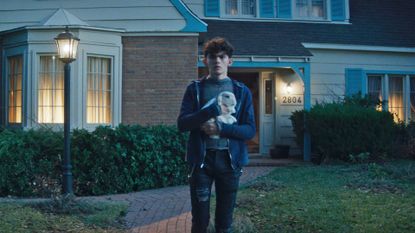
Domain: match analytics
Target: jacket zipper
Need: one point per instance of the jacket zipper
(198, 106)
(204, 154)
(230, 154)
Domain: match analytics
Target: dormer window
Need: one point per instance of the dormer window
(310, 9)
(240, 8)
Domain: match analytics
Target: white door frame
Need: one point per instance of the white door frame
(267, 119)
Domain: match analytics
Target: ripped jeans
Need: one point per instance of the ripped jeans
(217, 168)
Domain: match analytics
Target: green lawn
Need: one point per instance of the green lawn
(48, 217)
(330, 198)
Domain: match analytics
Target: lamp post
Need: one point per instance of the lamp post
(67, 45)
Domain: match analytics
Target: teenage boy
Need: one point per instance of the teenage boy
(211, 159)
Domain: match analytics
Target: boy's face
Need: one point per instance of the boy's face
(218, 64)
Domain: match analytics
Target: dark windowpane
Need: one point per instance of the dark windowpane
(268, 96)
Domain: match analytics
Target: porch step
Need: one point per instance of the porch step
(253, 148)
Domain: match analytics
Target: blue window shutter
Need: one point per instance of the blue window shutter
(266, 8)
(354, 81)
(338, 10)
(212, 8)
(284, 9)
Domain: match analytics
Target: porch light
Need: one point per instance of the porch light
(67, 45)
(288, 88)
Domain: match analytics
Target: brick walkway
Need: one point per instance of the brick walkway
(167, 210)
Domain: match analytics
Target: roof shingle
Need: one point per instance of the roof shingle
(372, 22)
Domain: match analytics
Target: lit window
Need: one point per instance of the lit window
(99, 90)
(375, 90)
(15, 74)
(396, 105)
(310, 9)
(412, 97)
(51, 90)
(240, 7)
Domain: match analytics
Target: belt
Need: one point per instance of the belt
(212, 151)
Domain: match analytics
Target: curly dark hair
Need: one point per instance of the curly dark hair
(216, 45)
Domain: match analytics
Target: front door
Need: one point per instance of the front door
(267, 110)
(251, 80)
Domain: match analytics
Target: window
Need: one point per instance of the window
(15, 80)
(240, 8)
(375, 90)
(268, 96)
(50, 90)
(310, 9)
(99, 90)
(396, 92)
(395, 105)
(412, 97)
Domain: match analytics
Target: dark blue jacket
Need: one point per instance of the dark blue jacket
(192, 116)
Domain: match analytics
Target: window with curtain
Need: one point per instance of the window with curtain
(98, 110)
(50, 90)
(396, 105)
(412, 97)
(15, 82)
(268, 96)
(240, 7)
(310, 9)
(375, 89)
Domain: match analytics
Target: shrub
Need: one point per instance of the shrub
(128, 158)
(406, 140)
(346, 129)
(30, 162)
(105, 161)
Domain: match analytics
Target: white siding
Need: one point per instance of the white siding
(196, 6)
(328, 69)
(284, 130)
(131, 15)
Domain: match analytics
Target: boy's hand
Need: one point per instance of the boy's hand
(210, 128)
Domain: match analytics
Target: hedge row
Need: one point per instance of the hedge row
(348, 130)
(105, 161)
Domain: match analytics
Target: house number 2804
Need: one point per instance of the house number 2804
(291, 99)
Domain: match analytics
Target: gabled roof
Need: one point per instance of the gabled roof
(372, 22)
(62, 18)
(126, 15)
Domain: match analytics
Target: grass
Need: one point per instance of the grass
(330, 198)
(62, 216)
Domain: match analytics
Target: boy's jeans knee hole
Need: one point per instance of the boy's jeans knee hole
(202, 194)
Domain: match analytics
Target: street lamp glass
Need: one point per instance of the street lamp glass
(67, 45)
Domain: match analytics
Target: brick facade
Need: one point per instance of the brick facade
(156, 71)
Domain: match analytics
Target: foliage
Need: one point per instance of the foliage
(406, 140)
(369, 197)
(128, 158)
(107, 160)
(30, 162)
(350, 130)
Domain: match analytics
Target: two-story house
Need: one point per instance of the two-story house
(136, 57)
(294, 53)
